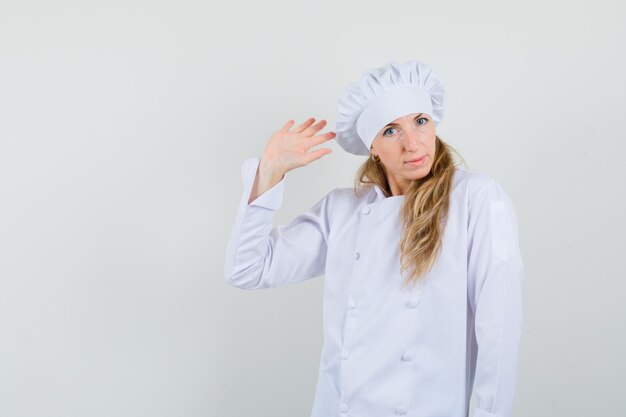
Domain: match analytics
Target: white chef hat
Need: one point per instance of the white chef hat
(382, 95)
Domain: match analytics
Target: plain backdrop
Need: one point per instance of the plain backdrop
(123, 127)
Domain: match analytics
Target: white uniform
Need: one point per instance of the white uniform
(387, 350)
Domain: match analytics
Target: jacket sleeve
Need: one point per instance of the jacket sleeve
(260, 255)
(495, 271)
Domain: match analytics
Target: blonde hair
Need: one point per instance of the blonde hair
(424, 209)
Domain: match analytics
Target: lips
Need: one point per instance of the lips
(417, 159)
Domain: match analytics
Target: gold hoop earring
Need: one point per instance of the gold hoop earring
(374, 158)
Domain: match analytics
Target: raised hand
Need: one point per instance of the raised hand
(288, 149)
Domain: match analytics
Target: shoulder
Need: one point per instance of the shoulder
(475, 185)
(469, 180)
(337, 200)
(485, 201)
(345, 197)
(344, 201)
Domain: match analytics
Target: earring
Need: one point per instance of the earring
(374, 158)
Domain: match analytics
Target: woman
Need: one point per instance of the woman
(423, 272)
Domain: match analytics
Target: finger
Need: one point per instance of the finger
(308, 122)
(321, 138)
(315, 128)
(287, 125)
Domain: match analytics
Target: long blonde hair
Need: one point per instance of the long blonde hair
(424, 209)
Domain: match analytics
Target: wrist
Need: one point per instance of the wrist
(270, 171)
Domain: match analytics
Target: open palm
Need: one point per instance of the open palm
(288, 149)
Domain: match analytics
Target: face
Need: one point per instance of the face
(406, 139)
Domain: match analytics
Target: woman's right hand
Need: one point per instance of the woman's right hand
(289, 149)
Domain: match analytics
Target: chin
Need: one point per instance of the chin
(418, 177)
(417, 173)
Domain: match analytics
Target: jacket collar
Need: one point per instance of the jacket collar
(379, 193)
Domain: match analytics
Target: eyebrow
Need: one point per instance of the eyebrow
(395, 124)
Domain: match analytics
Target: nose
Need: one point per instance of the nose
(411, 139)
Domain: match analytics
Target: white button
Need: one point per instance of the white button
(357, 255)
(366, 210)
(413, 302)
(401, 410)
(345, 354)
(351, 303)
(408, 356)
(344, 407)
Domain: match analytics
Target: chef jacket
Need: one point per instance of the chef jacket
(389, 350)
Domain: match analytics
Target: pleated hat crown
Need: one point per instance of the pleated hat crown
(382, 95)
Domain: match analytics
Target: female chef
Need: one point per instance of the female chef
(421, 263)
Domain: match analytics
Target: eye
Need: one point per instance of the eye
(386, 130)
(424, 119)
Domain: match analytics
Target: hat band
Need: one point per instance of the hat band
(389, 106)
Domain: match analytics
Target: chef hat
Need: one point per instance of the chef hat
(382, 95)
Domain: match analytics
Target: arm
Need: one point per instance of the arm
(495, 272)
(266, 177)
(259, 255)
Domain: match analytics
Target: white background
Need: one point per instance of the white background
(123, 126)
